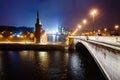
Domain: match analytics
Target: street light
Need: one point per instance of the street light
(84, 21)
(93, 14)
(116, 28)
(78, 27)
(105, 30)
(1, 36)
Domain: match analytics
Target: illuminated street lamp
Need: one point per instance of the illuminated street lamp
(1, 36)
(78, 27)
(105, 30)
(84, 21)
(116, 28)
(11, 36)
(93, 14)
(99, 30)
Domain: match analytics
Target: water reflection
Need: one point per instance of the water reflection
(0, 64)
(75, 64)
(76, 67)
(43, 60)
(45, 65)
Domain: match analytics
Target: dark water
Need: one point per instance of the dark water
(47, 65)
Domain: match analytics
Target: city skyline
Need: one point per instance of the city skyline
(55, 13)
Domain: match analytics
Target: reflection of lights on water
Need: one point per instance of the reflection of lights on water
(27, 55)
(75, 64)
(43, 57)
(31, 54)
(57, 54)
(66, 58)
(0, 61)
(24, 53)
(67, 54)
(53, 37)
(57, 38)
(42, 54)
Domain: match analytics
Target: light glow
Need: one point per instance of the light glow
(84, 21)
(18, 35)
(93, 12)
(105, 29)
(1, 36)
(116, 27)
(76, 30)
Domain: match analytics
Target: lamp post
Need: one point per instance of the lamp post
(116, 28)
(105, 30)
(93, 14)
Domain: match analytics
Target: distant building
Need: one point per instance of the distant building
(38, 30)
(62, 30)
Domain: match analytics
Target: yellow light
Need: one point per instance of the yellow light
(105, 29)
(116, 27)
(10, 36)
(79, 26)
(20, 33)
(93, 12)
(74, 31)
(1, 36)
(99, 30)
(44, 59)
(31, 35)
(90, 32)
(11, 32)
(84, 21)
(2, 32)
(28, 32)
(21, 36)
(44, 38)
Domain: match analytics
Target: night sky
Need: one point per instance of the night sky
(54, 13)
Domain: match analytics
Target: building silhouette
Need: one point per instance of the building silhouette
(38, 30)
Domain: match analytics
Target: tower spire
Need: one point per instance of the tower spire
(37, 20)
(38, 29)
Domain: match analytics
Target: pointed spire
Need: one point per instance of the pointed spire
(37, 20)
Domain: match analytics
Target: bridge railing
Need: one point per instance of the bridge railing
(106, 39)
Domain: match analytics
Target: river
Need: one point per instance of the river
(48, 65)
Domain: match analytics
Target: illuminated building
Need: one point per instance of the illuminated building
(62, 30)
(38, 30)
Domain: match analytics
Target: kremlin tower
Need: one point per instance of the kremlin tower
(38, 30)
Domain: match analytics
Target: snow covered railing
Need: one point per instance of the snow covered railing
(107, 39)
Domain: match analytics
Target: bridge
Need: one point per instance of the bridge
(104, 50)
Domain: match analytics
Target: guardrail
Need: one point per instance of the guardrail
(107, 39)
